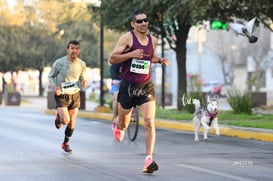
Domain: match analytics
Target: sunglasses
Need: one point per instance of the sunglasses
(139, 21)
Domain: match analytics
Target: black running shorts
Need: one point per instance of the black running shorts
(71, 101)
(131, 95)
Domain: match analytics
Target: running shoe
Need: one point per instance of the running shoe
(58, 124)
(150, 166)
(66, 147)
(118, 134)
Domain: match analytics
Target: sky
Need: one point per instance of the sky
(11, 3)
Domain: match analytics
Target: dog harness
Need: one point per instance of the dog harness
(211, 116)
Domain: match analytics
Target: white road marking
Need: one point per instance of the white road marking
(213, 172)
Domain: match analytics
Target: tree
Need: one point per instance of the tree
(173, 20)
(34, 35)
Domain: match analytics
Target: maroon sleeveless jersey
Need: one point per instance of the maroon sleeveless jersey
(138, 71)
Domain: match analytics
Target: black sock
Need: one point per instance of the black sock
(68, 133)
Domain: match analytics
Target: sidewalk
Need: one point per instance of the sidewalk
(89, 112)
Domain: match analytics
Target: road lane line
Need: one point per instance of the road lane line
(213, 172)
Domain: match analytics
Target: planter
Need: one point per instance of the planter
(51, 104)
(259, 98)
(168, 99)
(13, 98)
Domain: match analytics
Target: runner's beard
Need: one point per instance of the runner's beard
(73, 56)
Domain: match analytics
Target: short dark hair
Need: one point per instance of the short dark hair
(73, 42)
(137, 12)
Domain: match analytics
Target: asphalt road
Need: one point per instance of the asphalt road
(30, 150)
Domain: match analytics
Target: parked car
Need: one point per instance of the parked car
(213, 87)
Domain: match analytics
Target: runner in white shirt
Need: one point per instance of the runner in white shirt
(66, 78)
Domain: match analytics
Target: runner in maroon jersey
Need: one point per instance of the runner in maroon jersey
(136, 51)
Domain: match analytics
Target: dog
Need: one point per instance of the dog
(206, 116)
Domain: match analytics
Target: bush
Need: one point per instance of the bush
(240, 102)
(93, 97)
(189, 101)
(195, 92)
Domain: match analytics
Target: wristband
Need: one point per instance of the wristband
(160, 60)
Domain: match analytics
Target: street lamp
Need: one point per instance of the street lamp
(97, 4)
(163, 74)
(101, 62)
(101, 107)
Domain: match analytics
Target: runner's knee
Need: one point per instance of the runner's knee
(66, 120)
(148, 123)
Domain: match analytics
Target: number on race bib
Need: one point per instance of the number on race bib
(140, 66)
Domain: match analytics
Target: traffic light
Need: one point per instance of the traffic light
(216, 25)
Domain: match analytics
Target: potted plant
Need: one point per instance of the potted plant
(12, 97)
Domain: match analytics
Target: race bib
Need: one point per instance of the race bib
(140, 66)
(69, 87)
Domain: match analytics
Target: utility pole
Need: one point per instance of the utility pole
(101, 63)
(163, 74)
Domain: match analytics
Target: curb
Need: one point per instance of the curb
(231, 131)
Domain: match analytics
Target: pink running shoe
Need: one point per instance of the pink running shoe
(113, 125)
(150, 166)
(118, 134)
(66, 147)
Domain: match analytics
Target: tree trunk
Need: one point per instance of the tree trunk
(181, 51)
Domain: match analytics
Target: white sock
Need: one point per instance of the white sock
(148, 156)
